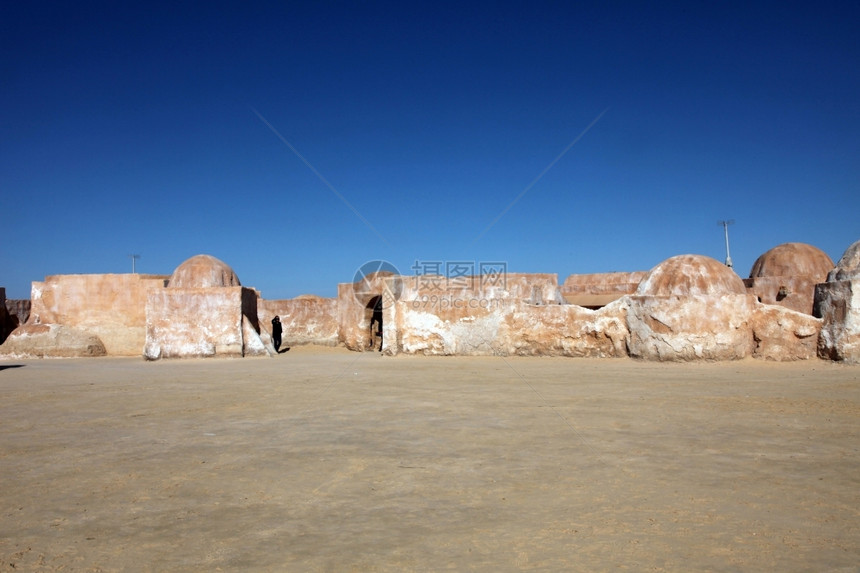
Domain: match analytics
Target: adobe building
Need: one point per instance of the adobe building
(202, 311)
(199, 310)
(85, 315)
(786, 275)
(689, 307)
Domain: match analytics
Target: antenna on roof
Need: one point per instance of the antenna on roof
(133, 259)
(725, 225)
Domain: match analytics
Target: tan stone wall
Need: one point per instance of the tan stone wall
(466, 317)
(782, 334)
(194, 322)
(306, 319)
(455, 325)
(603, 283)
(109, 306)
(599, 289)
(568, 330)
(691, 327)
(511, 327)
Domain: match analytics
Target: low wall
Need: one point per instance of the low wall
(306, 319)
(693, 327)
(599, 289)
(511, 327)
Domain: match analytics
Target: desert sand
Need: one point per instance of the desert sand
(327, 460)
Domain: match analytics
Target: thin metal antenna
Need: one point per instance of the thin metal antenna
(133, 259)
(725, 225)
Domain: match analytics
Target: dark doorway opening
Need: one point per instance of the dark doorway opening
(373, 314)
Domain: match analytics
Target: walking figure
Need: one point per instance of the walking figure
(277, 329)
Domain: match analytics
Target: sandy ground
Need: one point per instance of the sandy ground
(328, 460)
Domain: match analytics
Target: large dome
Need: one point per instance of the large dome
(202, 271)
(848, 267)
(793, 260)
(684, 275)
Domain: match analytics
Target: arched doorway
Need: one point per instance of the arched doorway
(373, 317)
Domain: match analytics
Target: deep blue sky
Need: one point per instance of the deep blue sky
(137, 129)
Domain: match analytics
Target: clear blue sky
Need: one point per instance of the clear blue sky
(137, 129)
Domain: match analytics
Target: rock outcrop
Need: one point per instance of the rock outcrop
(848, 267)
(837, 302)
(51, 341)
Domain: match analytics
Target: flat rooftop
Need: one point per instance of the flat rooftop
(328, 460)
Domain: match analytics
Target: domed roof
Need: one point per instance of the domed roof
(691, 275)
(202, 271)
(848, 267)
(793, 260)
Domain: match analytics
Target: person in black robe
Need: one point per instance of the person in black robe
(277, 330)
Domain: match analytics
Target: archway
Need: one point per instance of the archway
(373, 317)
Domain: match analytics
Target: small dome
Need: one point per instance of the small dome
(203, 271)
(793, 260)
(848, 267)
(691, 275)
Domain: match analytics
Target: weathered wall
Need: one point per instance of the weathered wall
(195, 322)
(568, 330)
(306, 319)
(599, 289)
(511, 327)
(109, 306)
(600, 283)
(450, 325)
(518, 316)
(691, 327)
(783, 334)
